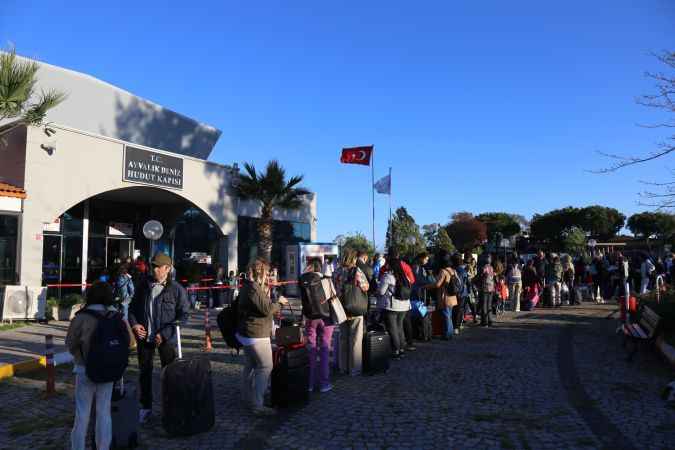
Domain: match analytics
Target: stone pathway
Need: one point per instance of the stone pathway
(539, 380)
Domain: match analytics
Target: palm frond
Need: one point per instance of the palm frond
(36, 113)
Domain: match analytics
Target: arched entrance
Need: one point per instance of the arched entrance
(91, 239)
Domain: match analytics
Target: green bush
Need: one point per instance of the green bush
(52, 302)
(71, 300)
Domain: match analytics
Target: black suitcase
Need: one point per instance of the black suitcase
(290, 376)
(376, 352)
(422, 328)
(123, 414)
(188, 406)
(548, 297)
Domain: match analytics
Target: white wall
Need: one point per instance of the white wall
(83, 166)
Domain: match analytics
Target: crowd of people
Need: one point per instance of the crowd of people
(389, 292)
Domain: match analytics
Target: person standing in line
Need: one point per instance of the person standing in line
(444, 301)
(124, 289)
(646, 270)
(99, 298)
(421, 277)
(569, 276)
(515, 283)
(351, 330)
(157, 305)
(540, 265)
(254, 328)
(486, 275)
(554, 279)
(393, 277)
(319, 333)
(328, 268)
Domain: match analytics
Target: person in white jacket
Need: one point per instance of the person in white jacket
(646, 270)
(394, 308)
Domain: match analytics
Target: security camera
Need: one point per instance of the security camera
(49, 148)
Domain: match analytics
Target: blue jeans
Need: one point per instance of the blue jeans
(447, 315)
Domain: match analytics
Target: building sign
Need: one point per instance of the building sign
(142, 166)
(120, 229)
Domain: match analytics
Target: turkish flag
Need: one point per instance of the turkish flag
(357, 155)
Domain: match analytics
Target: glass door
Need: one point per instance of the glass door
(118, 250)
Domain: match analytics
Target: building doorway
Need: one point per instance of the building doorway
(118, 250)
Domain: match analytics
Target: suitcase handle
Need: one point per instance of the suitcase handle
(180, 349)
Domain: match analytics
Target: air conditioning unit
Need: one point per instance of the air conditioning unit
(24, 303)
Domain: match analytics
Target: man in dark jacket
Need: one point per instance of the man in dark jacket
(158, 303)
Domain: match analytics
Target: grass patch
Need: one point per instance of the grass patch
(485, 417)
(12, 326)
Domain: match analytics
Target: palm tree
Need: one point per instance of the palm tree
(17, 84)
(273, 192)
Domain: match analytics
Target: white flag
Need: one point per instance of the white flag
(383, 186)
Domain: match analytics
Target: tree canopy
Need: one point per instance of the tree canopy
(647, 224)
(437, 239)
(499, 223)
(466, 232)
(599, 222)
(358, 242)
(404, 234)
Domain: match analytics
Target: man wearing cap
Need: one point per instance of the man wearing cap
(158, 303)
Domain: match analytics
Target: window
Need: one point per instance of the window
(9, 233)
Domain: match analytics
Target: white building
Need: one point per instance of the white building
(75, 192)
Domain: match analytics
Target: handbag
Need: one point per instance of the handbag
(337, 312)
(289, 334)
(354, 301)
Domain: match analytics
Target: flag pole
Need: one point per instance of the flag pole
(372, 187)
(390, 186)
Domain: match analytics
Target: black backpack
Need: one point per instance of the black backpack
(227, 321)
(108, 355)
(454, 286)
(314, 296)
(403, 289)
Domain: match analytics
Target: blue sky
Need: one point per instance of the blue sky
(478, 106)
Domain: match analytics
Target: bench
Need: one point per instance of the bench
(644, 331)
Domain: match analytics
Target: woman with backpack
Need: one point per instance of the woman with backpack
(99, 300)
(352, 287)
(394, 290)
(318, 325)
(446, 300)
(255, 315)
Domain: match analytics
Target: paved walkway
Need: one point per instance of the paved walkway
(546, 379)
(28, 342)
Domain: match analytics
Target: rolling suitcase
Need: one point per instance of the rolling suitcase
(124, 413)
(290, 376)
(187, 395)
(423, 328)
(124, 417)
(548, 297)
(376, 351)
(437, 324)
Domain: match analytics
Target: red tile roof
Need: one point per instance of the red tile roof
(7, 190)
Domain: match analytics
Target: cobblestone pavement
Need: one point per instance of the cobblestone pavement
(538, 380)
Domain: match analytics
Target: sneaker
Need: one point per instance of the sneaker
(326, 388)
(455, 331)
(144, 416)
(310, 389)
(410, 348)
(264, 411)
